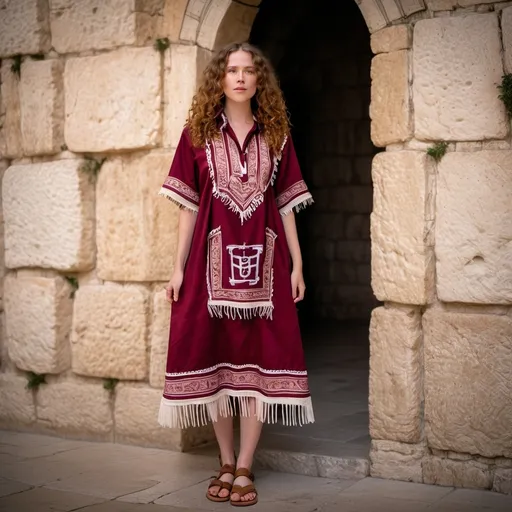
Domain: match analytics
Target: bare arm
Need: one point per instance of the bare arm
(292, 239)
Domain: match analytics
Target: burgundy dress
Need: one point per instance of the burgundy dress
(235, 331)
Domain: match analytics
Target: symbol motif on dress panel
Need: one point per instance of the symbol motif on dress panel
(245, 263)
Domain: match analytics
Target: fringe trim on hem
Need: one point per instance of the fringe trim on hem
(245, 312)
(178, 200)
(298, 204)
(294, 412)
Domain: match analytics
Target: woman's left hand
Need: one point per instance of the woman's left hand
(298, 286)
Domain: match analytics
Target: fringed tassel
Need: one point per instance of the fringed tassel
(299, 205)
(199, 414)
(242, 313)
(183, 204)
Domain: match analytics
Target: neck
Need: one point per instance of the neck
(238, 113)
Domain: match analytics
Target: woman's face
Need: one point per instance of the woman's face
(240, 80)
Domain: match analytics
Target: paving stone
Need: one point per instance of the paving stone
(8, 487)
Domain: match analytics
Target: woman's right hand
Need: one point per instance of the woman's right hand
(173, 287)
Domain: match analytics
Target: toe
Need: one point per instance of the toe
(214, 491)
(235, 497)
(223, 493)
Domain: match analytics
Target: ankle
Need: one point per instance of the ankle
(244, 463)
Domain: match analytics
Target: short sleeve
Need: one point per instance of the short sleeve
(180, 186)
(291, 191)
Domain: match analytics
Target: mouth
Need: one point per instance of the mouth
(240, 89)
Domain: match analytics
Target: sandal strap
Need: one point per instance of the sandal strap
(219, 483)
(244, 472)
(242, 491)
(227, 469)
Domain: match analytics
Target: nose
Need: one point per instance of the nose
(240, 76)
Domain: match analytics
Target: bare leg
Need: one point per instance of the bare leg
(223, 428)
(250, 431)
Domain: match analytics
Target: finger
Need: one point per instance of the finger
(168, 295)
(176, 292)
(302, 291)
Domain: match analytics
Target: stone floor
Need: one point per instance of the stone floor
(44, 474)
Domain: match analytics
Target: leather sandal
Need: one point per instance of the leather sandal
(242, 491)
(217, 482)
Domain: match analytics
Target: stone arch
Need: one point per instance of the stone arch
(212, 23)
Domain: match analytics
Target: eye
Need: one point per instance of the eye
(251, 71)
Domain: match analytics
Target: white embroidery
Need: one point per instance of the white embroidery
(245, 263)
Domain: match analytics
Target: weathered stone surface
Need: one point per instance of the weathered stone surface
(3, 166)
(457, 64)
(38, 318)
(159, 340)
(441, 5)
(17, 402)
(24, 27)
(42, 106)
(109, 332)
(468, 372)
(113, 100)
(474, 227)
(235, 26)
(174, 11)
(397, 461)
(184, 65)
(454, 473)
(57, 406)
(391, 39)
(390, 109)
(401, 227)
(506, 30)
(136, 419)
(10, 116)
(372, 15)
(136, 229)
(502, 481)
(57, 230)
(395, 375)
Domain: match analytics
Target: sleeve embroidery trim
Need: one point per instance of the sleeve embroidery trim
(285, 197)
(182, 189)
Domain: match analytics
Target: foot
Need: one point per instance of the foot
(242, 481)
(217, 491)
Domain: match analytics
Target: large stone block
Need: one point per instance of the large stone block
(397, 461)
(136, 229)
(503, 481)
(453, 473)
(113, 100)
(391, 39)
(17, 402)
(24, 27)
(390, 107)
(57, 407)
(402, 227)
(184, 65)
(81, 25)
(38, 317)
(236, 25)
(109, 332)
(136, 419)
(159, 340)
(10, 113)
(174, 11)
(49, 216)
(4, 164)
(468, 382)
(396, 382)
(506, 29)
(457, 64)
(42, 106)
(474, 227)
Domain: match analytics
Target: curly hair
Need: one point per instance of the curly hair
(267, 104)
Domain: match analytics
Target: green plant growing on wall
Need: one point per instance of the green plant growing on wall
(37, 56)
(73, 281)
(438, 150)
(92, 166)
(505, 89)
(16, 65)
(64, 147)
(162, 44)
(110, 384)
(34, 380)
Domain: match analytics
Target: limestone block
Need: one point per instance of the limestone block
(159, 340)
(397, 461)
(17, 402)
(454, 473)
(474, 227)
(109, 332)
(457, 64)
(174, 11)
(42, 106)
(136, 419)
(4, 164)
(49, 216)
(402, 259)
(395, 375)
(113, 100)
(24, 27)
(468, 380)
(506, 29)
(236, 25)
(57, 405)
(442, 5)
(391, 39)
(373, 15)
(390, 107)
(81, 25)
(183, 70)
(38, 319)
(10, 116)
(136, 229)
(503, 481)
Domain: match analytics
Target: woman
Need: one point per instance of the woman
(235, 342)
